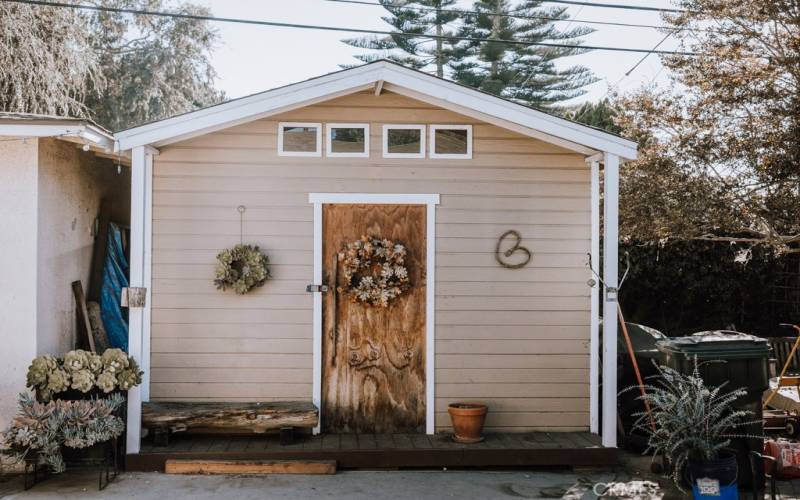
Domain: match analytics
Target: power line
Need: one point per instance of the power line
(198, 17)
(616, 6)
(508, 15)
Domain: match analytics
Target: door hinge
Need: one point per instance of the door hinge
(316, 288)
(133, 297)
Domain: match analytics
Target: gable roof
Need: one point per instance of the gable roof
(393, 77)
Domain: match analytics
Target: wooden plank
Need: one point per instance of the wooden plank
(403, 441)
(178, 466)
(83, 315)
(366, 441)
(99, 251)
(348, 442)
(330, 442)
(254, 417)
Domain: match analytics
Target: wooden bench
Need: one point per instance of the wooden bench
(163, 418)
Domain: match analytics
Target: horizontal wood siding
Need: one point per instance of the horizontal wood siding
(516, 339)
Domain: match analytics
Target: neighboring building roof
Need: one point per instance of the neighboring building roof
(379, 75)
(80, 130)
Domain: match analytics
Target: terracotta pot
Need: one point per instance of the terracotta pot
(468, 419)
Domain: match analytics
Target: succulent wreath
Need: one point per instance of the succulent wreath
(241, 268)
(374, 270)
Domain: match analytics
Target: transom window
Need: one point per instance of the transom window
(348, 140)
(299, 139)
(404, 141)
(451, 141)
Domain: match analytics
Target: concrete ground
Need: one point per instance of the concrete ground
(355, 485)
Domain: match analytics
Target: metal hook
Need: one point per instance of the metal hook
(624, 275)
(241, 209)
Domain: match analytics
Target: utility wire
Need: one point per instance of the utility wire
(509, 15)
(616, 6)
(143, 12)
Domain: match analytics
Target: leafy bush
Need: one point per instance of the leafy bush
(685, 286)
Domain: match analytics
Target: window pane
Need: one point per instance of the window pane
(300, 139)
(404, 140)
(451, 142)
(348, 140)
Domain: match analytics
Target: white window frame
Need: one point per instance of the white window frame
(329, 142)
(452, 156)
(405, 126)
(283, 125)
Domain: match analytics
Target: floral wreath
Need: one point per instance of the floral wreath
(374, 270)
(242, 268)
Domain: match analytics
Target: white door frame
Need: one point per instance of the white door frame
(430, 200)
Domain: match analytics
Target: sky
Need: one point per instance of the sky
(251, 59)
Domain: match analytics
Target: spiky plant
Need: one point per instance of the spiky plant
(689, 420)
(41, 429)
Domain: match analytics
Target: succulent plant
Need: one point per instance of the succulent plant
(43, 428)
(83, 380)
(75, 361)
(106, 381)
(115, 360)
(83, 371)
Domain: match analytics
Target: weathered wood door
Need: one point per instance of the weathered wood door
(373, 358)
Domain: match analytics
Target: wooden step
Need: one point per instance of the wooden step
(185, 466)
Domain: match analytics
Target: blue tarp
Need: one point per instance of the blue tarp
(115, 278)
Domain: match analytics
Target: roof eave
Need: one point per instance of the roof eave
(575, 136)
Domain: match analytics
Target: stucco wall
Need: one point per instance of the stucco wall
(18, 190)
(50, 193)
(71, 185)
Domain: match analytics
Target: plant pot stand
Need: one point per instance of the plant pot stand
(104, 457)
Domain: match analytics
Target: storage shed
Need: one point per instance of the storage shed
(496, 206)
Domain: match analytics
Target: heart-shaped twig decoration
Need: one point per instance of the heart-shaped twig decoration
(501, 255)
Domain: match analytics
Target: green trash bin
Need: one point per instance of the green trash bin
(746, 365)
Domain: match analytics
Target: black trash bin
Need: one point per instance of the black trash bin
(644, 341)
(746, 366)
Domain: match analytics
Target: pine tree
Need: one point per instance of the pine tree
(599, 114)
(524, 73)
(420, 17)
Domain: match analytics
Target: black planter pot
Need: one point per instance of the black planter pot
(76, 395)
(720, 475)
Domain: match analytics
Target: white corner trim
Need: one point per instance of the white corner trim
(316, 389)
(434, 155)
(140, 276)
(594, 320)
(430, 318)
(385, 139)
(610, 263)
(431, 200)
(318, 150)
(329, 140)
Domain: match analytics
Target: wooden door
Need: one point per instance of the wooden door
(373, 358)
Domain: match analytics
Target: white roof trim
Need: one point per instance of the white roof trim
(402, 80)
(84, 132)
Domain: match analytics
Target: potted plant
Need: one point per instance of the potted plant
(691, 425)
(82, 374)
(41, 431)
(467, 419)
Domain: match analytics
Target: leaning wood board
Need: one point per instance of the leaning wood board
(373, 368)
(177, 466)
(253, 417)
